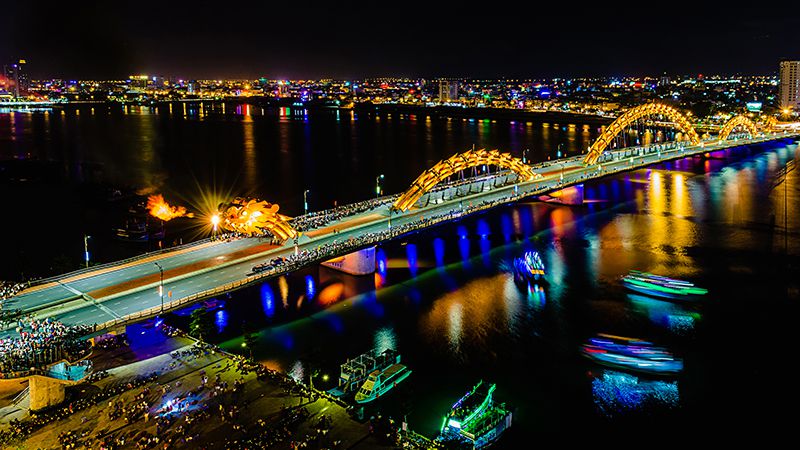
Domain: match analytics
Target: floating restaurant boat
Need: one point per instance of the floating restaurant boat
(632, 354)
(475, 419)
(355, 371)
(529, 268)
(379, 382)
(658, 286)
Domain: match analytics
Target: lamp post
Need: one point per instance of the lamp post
(161, 285)
(214, 224)
(86, 249)
(378, 190)
(305, 201)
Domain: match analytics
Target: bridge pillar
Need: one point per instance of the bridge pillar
(572, 195)
(361, 262)
(45, 392)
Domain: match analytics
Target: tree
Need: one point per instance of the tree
(249, 339)
(202, 324)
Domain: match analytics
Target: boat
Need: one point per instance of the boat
(355, 371)
(529, 268)
(475, 419)
(137, 229)
(632, 354)
(379, 382)
(660, 286)
(210, 306)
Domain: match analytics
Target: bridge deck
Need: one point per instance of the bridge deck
(127, 291)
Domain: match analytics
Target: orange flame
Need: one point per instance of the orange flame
(161, 209)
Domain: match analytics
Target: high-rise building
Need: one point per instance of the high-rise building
(664, 80)
(17, 78)
(448, 91)
(138, 82)
(789, 95)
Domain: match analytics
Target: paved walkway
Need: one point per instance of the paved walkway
(259, 404)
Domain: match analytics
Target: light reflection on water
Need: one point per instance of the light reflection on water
(620, 393)
(671, 316)
(385, 338)
(459, 319)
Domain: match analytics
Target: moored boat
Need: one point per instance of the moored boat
(475, 419)
(379, 382)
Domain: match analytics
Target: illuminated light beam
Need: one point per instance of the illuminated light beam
(160, 209)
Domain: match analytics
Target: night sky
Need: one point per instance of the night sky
(289, 39)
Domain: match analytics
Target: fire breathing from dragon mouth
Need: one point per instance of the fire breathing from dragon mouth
(160, 209)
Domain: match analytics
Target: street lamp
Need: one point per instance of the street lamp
(86, 249)
(161, 285)
(215, 223)
(378, 190)
(305, 201)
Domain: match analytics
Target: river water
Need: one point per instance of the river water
(70, 165)
(445, 300)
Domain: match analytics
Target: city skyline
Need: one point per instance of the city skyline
(280, 41)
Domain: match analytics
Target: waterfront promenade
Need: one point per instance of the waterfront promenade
(197, 399)
(116, 294)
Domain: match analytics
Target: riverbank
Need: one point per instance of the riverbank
(193, 397)
(523, 115)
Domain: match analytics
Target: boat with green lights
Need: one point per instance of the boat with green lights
(379, 382)
(660, 286)
(475, 419)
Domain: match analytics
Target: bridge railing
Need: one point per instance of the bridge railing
(344, 247)
(117, 263)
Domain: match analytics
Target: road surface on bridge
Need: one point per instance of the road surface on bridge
(113, 294)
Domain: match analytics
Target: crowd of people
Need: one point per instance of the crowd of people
(39, 343)
(330, 249)
(184, 411)
(19, 430)
(321, 218)
(9, 289)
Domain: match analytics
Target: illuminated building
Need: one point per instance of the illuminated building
(193, 87)
(17, 80)
(789, 95)
(139, 81)
(448, 91)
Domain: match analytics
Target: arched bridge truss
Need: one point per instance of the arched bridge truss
(630, 117)
(455, 164)
(739, 121)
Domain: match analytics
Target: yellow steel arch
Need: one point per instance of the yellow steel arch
(253, 217)
(738, 121)
(456, 163)
(651, 109)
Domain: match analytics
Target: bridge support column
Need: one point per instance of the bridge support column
(45, 392)
(572, 195)
(361, 262)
